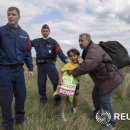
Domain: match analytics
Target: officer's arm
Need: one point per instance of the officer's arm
(28, 56)
(60, 53)
(32, 43)
(0, 38)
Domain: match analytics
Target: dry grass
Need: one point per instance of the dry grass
(46, 118)
(123, 91)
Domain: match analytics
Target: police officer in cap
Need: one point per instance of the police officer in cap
(47, 50)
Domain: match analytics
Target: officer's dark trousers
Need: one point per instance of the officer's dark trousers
(103, 102)
(12, 83)
(45, 70)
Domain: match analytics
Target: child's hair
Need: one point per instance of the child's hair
(74, 50)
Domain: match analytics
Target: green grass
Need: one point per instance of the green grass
(46, 118)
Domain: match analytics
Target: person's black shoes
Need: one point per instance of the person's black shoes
(43, 101)
(19, 122)
(8, 127)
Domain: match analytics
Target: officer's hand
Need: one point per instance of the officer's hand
(30, 74)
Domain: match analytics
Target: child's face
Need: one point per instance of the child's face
(73, 57)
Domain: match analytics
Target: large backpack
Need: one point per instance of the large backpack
(118, 53)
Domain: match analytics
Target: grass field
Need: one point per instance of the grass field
(46, 118)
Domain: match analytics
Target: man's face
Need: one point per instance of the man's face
(45, 32)
(13, 18)
(83, 42)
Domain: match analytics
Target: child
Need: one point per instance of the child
(73, 55)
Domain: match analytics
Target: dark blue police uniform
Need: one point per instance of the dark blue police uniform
(15, 49)
(46, 54)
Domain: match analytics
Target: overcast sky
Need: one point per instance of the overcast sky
(102, 19)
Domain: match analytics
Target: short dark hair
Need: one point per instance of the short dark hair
(87, 36)
(74, 50)
(14, 8)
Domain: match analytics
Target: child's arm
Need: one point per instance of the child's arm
(60, 74)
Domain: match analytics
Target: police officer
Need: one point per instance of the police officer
(15, 49)
(47, 50)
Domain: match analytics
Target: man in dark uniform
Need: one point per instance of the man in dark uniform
(15, 49)
(47, 50)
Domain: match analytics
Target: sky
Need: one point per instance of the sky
(103, 19)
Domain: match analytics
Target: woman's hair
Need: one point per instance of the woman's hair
(74, 50)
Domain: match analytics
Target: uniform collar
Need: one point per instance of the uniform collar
(45, 38)
(12, 28)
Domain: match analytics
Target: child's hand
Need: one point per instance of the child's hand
(60, 81)
(69, 72)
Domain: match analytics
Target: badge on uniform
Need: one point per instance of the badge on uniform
(49, 51)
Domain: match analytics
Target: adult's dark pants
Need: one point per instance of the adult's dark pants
(45, 70)
(103, 102)
(12, 83)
